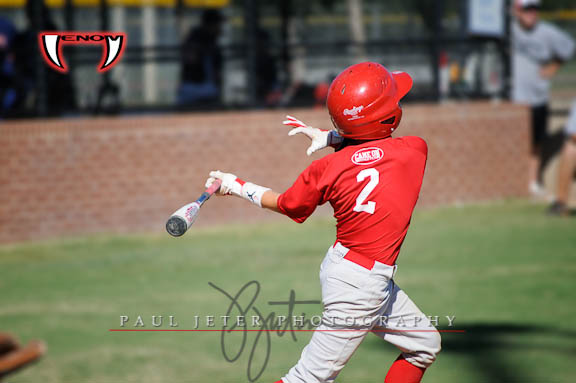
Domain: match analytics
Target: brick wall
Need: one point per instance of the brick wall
(126, 174)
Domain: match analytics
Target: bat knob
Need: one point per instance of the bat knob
(176, 226)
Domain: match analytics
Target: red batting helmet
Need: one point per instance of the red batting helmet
(363, 101)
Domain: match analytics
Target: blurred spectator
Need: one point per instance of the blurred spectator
(60, 95)
(14, 356)
(566, 167)
(7, 91)
(267, 87)
(539, 49)
(201, 73)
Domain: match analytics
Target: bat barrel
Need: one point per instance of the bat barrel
(184, 217)
(176, 226)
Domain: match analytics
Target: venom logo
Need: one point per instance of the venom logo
(51, 47)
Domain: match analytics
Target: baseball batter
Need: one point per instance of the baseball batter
(372, 182)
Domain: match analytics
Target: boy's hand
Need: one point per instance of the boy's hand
(230, 183)
(320, 138)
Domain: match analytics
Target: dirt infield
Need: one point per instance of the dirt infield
(125, 174)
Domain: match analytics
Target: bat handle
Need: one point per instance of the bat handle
(211, 190)
(214, 187)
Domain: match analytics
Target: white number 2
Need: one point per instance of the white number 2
(370, 206)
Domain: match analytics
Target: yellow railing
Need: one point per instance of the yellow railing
(565, 14)
(127, 3)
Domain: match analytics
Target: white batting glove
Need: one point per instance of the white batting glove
(320, 138)
(230, 183)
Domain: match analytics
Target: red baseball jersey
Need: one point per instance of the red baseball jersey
(372, 187)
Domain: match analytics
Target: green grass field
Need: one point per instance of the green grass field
(505, 271)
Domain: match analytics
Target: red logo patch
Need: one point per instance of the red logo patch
(367, 156)
(51, 47)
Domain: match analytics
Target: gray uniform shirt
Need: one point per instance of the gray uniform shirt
(530, 50)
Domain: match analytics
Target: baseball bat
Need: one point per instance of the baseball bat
(183, 218)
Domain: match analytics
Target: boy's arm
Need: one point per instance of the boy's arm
(298, 202)
(562, 46)
(232, 185)
(270, 201)
(550, 69)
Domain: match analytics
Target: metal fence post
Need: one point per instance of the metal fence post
(507, 50)
(37, 23)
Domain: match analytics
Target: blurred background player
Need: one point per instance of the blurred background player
(268, 90)
(59, 89)
(566, 167)
(201, 71)
(372, 182)
(539, 49)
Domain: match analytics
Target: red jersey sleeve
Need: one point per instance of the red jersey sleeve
(301, 199)
(417, 143)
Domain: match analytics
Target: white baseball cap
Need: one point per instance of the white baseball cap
(529, 3)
